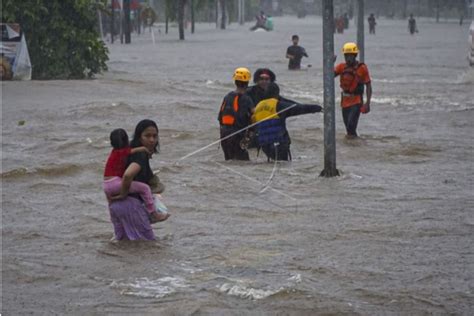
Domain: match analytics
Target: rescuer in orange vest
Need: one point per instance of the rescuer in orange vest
(235, 114)
(354, 77)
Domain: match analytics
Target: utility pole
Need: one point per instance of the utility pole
(329, 94)
(126, 11)
(360, 30)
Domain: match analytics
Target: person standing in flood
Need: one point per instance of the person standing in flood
(412, 25)
(354, 76)
(295, 53)
(271, 114)
(372, 23)
(234, 114)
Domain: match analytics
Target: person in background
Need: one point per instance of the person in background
(346, 21)
(372, 23)
(412, 25)
(354, 76)
(295, 53)
(234, 114)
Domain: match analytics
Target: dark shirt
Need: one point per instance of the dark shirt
(143, 160)
(371, 20)
(245, 109)
(297, 52)
(256, 93)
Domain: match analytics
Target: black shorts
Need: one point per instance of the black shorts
(231, 146)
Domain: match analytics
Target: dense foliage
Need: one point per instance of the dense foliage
(62, 36)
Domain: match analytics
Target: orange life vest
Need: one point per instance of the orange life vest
(350, 81)
(228, 112)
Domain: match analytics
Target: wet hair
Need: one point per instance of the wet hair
(273, 91)
(295, 37)
(141, 127)
(119, 138)
(241, 84)
(261, 71)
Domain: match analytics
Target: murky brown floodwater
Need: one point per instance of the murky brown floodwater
(393, 235)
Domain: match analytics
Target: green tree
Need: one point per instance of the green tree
(62, 36)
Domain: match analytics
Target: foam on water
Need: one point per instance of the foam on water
(149, 288)
(247, 292)
(242, 289)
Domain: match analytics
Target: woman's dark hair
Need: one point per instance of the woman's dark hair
(142, 126)
(273, 91)
(119, 138)
(260, 71)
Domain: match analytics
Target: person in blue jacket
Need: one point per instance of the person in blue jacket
(271, 114)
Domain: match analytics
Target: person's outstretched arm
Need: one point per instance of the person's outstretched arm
(297, 109)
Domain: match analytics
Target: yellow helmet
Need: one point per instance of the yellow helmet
(350, 48)
(242, 74)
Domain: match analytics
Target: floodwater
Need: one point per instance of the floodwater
(392, 235)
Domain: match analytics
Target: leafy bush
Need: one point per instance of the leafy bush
(62, 38)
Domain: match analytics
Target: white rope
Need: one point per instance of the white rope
(267, 184)
(256, 181)
(233, 134)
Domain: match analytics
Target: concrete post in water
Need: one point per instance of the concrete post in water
(329, 94)
(241, 4)
(239, 11)
(360, 30)
(192, 17)
(126, 11)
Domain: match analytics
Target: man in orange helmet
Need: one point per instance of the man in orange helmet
(234, 115)
(354, 76)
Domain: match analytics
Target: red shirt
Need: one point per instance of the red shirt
(364, 76)
(117, 162)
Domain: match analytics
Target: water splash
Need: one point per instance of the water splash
(148, 288)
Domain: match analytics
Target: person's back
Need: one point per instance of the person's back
(234, 114)
(372, 23)
(412, 25)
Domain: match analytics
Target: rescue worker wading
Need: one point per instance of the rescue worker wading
(235, 113)
(272, 134)
(353, 77)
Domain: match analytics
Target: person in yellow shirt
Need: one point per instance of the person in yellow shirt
(271, 114)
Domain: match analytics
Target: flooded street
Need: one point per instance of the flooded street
(394, 234)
